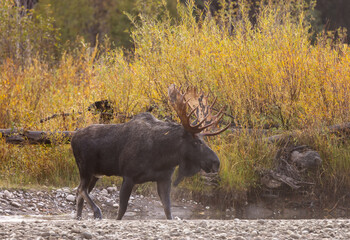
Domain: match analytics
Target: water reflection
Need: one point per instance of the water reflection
(33, 218)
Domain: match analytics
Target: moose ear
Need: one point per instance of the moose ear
(186, 169)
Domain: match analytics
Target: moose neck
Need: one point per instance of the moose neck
(171, 143)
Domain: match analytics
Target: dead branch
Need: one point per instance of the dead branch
(21, 136)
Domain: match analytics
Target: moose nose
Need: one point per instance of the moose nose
(215, 166)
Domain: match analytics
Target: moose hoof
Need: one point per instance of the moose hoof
(98, 215)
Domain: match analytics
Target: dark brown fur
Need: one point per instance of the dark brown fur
(142, 150)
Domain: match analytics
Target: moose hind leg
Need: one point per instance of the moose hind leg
(80, 203)
(124, 196)
(92, 183)
(163, 188)
(83, 191)
(80, 200)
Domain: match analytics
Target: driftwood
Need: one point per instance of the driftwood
(102, 107)
(59, 115)
(340, 129)
(20, 136)
(290, 165)
(293, 164)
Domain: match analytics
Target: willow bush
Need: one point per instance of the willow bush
(267, 73)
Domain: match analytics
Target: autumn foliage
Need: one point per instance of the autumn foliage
(269, 73)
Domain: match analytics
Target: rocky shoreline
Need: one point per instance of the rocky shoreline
(49, 214)
(61, 201)
(176, 229)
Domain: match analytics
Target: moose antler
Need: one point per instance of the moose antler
(199, 105)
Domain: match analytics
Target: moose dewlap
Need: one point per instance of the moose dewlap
(142, 150)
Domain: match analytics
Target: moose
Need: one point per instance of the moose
(145, 149)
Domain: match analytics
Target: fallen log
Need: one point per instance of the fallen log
(338, 129)
(21, 136)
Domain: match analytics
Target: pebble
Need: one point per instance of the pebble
(16, 204)
(86, 235)
(45, 234)
(295, 236)
(70, 198)
(7, 194)
(75, 230)
(112, 189)
(164, 229)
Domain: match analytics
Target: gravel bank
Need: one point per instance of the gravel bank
(61, 202)
(49, 214)
(177, 229)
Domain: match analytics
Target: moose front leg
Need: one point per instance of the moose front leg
(124, 196)
(163, 188)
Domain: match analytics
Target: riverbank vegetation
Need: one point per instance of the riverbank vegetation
(270, 73)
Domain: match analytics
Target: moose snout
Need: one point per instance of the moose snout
(212, 166)
(215, 166)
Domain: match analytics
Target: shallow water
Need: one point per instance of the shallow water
(155, 213)
(33, 218)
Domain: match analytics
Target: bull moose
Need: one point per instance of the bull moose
(142, 150)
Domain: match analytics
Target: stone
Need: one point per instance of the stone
(66, 190)
(306, 160)
(45, 234)
(86, 235)
(295, 236)
(75, 230)
(239, 238)
(261, 221)
(70, 198)
(203, 224)
(40, 204)
(8, 194)
(104, 192)
(16, 204)
(112, 189)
